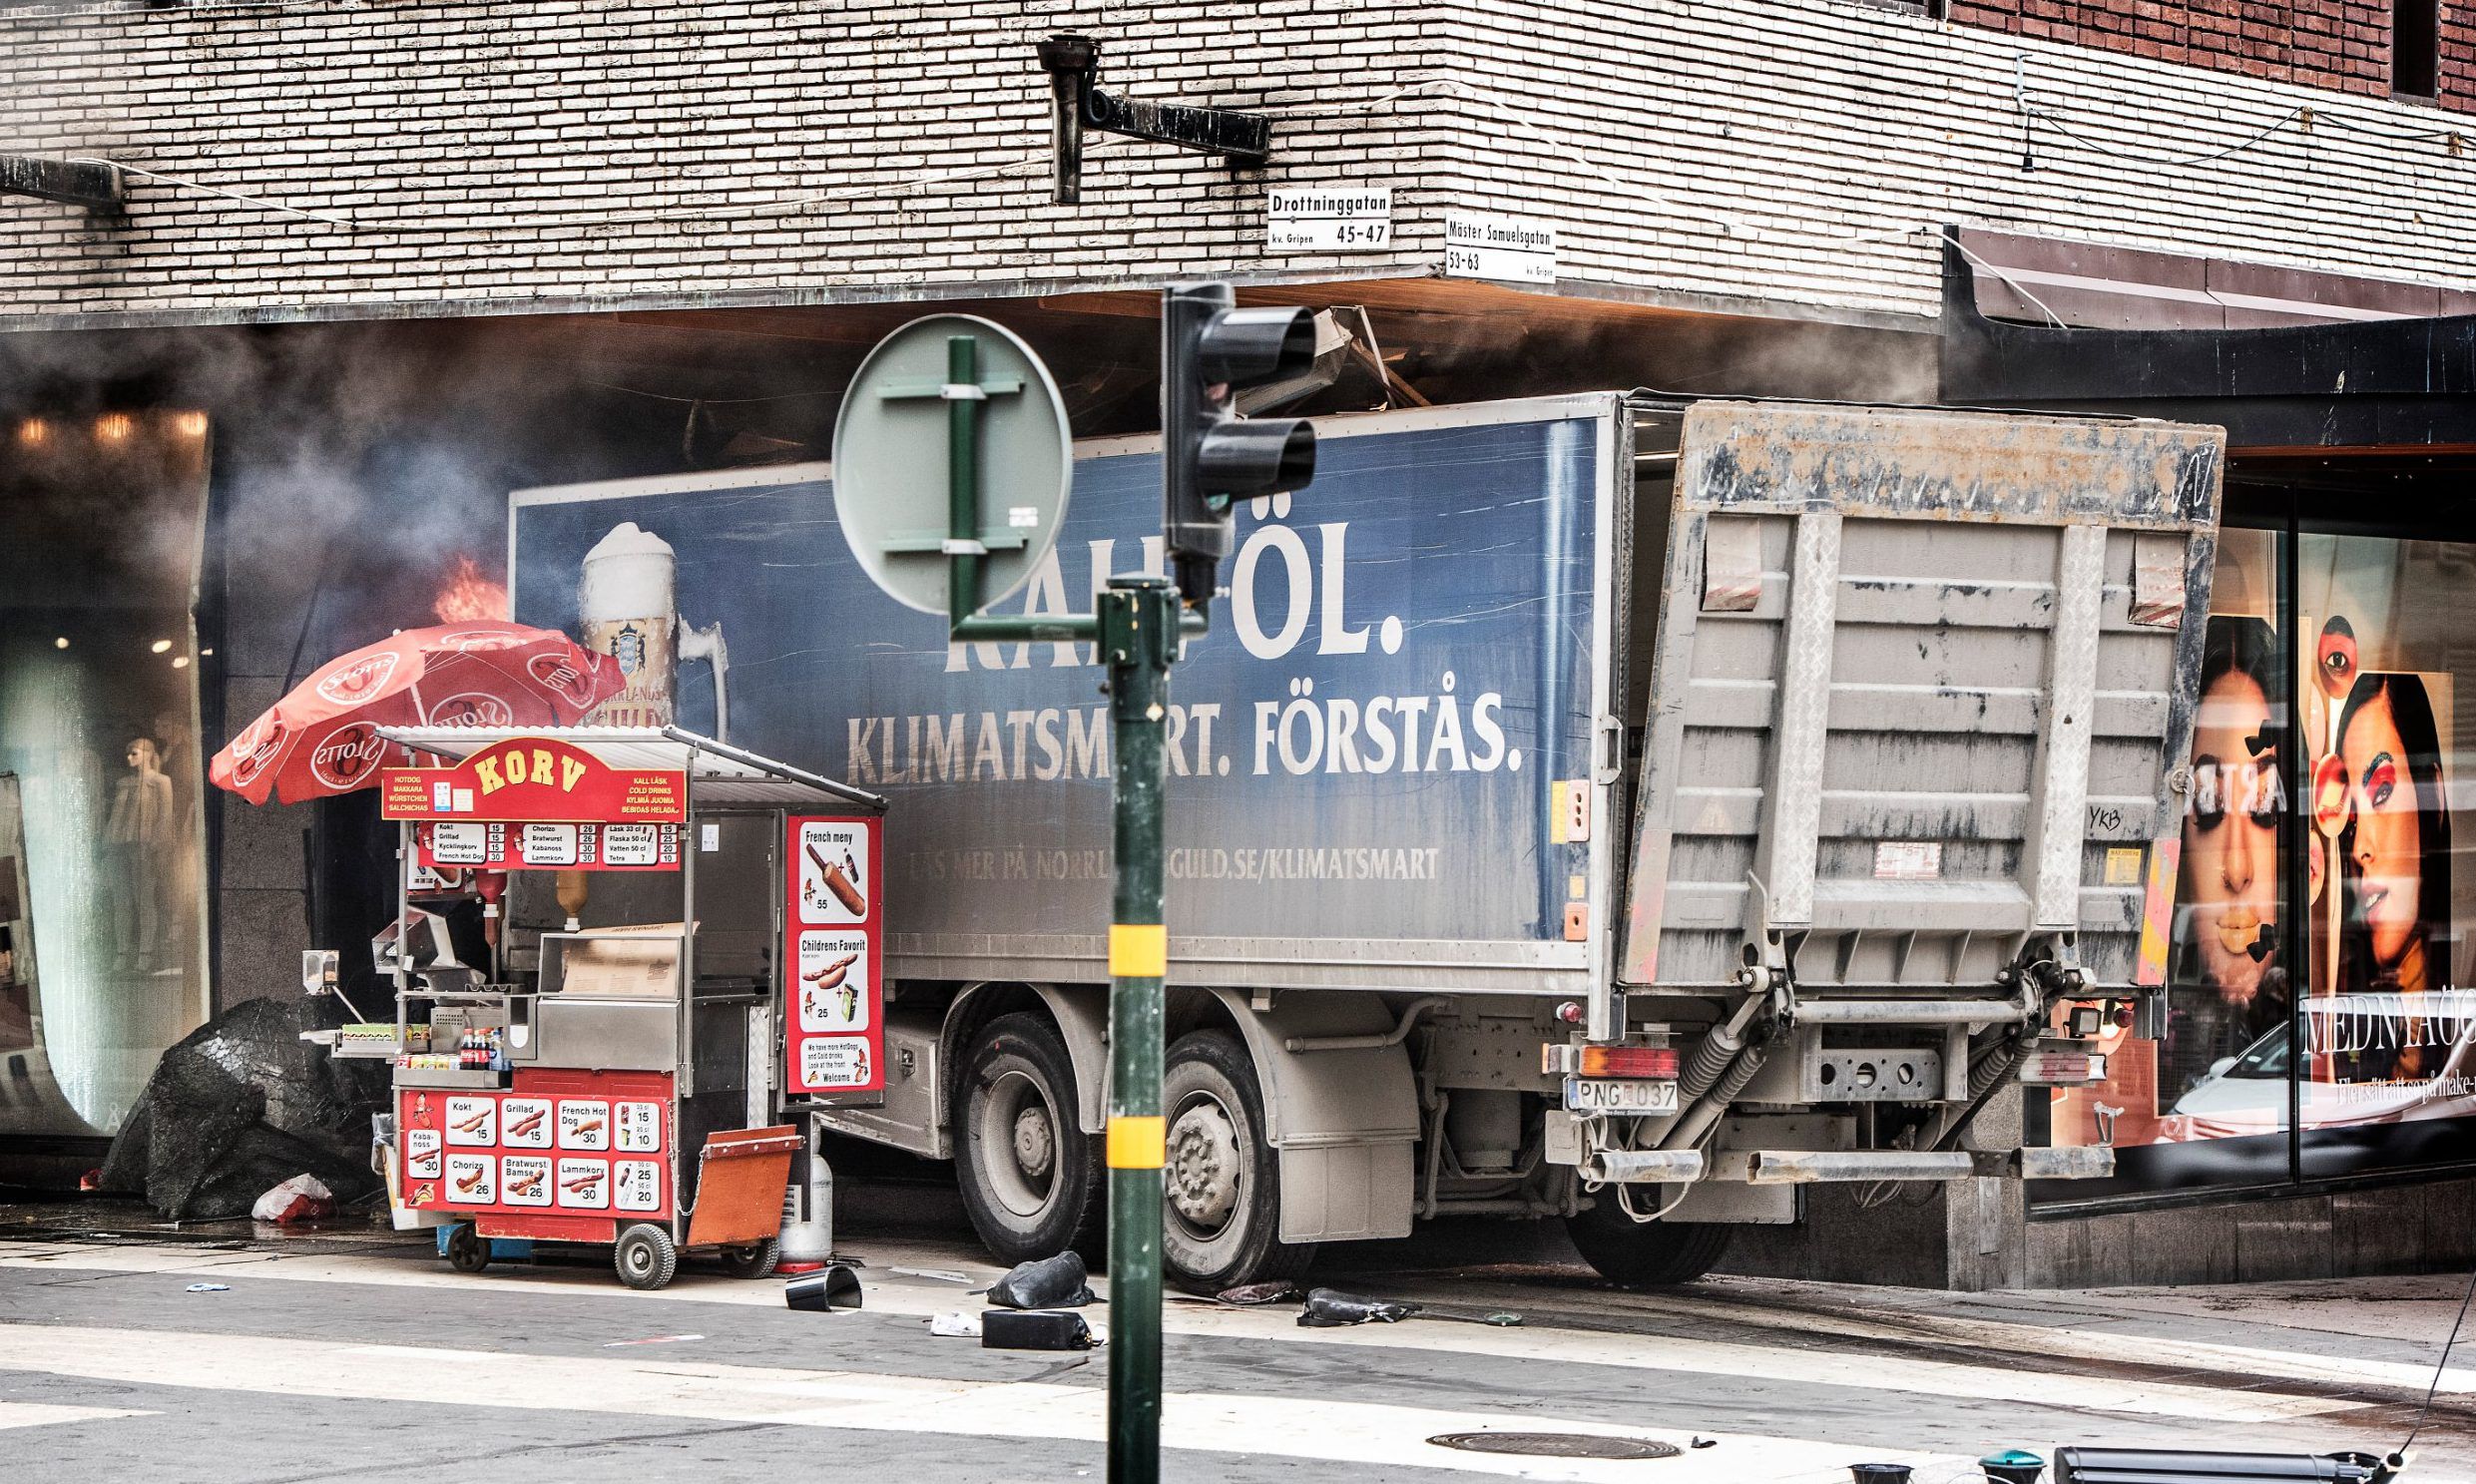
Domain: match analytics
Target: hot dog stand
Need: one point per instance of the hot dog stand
(681, 939)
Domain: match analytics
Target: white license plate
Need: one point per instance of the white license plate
(1613, 1095)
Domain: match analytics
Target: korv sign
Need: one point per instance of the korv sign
(1329, 219)
(534, 779)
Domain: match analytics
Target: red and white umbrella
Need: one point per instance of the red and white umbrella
(322, 739)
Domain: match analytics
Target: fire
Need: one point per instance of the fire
(468, 595)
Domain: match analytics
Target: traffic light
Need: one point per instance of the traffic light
(1211, 458)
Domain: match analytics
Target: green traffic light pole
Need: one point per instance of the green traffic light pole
(1139, 627)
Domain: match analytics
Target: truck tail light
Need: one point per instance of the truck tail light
(1628, 1061)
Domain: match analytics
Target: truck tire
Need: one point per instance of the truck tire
(1645, 1255)
(1221, 1225)
(1032, 1179)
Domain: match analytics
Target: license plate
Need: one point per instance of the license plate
(1613, 1095)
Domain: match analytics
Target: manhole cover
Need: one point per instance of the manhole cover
(1554, 1445)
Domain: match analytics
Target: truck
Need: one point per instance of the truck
(1612, 809)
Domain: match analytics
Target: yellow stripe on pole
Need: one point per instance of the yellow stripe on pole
(1137, 950)
(1137, 1142)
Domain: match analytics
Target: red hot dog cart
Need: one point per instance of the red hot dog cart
(681, 935)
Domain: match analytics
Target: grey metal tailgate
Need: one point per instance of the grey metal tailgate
(1919, 685)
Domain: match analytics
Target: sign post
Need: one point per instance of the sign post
(1002, 410)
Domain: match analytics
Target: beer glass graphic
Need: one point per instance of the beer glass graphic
(628, 607)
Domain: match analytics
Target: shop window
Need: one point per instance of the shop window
(102, 882)
(2317, 1021)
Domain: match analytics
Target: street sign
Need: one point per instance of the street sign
(1329, 219)
(934, 405)
(1509, 250)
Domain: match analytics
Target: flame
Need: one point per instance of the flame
(468, 596)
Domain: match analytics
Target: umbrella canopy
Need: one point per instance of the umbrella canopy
(322, 739)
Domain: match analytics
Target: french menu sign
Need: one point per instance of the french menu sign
(835, 1031)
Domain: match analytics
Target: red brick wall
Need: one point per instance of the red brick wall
(2340, 44)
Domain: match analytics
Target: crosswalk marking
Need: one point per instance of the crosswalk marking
(1325, 1431)
(44, 1415)
(1781, 1364)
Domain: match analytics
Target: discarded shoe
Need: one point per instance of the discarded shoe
(1330, 1309)
(1250, 1294)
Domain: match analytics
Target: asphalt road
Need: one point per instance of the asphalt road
(360, 1356)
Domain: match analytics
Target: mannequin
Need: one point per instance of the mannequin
(138, 839)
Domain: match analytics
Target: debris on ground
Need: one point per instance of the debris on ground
(303, 1197)
(1497, 1318)
(941, 1275)
(833, 1286)
(208, 1289)
(955, 1326)
(1250, 1295)
(1050, 1282)
(1033, 1330)
(241, 1104)
(1330, 1309)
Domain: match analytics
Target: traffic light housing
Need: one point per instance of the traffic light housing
(1211, 458)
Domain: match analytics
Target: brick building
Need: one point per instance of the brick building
(389, 260)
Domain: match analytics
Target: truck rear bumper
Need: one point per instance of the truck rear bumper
(1771, 1166)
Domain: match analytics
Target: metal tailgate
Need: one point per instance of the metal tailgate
(1920, 683)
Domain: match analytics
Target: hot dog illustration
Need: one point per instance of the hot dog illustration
(842, 880)
(524, 1126)
(524, 1184)
(472, 1179)
(584, 1186)
(476, 1123)
(829, 975)
(586, 1128)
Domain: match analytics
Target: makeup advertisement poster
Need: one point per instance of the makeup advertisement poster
(2337, 1004)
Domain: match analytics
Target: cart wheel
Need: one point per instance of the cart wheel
(752, 1261)
(467, 1250)
(644, 1257)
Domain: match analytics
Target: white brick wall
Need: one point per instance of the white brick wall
(515, 153)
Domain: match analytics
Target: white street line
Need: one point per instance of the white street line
(1793, 1364)
(43, 1414)
(2064, 1342)
(1326, 1431)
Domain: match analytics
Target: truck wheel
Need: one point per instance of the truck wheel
(1221, 1221)
(644, 1257)
(1032, 1177)
(467, 1250)
(1645, 1255)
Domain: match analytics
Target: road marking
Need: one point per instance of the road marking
(1789, 1365)
(1326, 1431)
(2062, 1343)
(43, 1414)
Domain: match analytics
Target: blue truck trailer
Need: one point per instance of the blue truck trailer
(1603, 808)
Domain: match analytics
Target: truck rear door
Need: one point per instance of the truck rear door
(1919, 683)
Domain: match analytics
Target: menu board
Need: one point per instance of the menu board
(571, 1142)
(544, 846)
(834, 1030)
